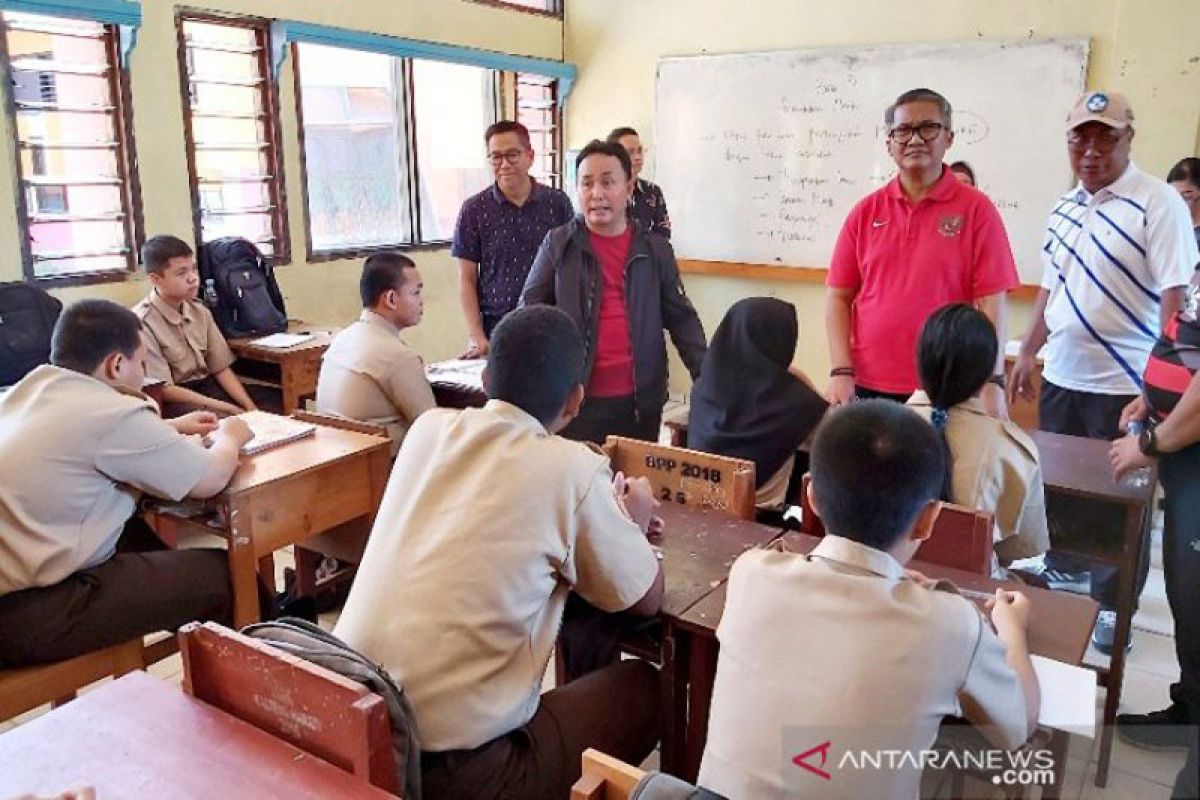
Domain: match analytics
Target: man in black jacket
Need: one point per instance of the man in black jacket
(622, 288)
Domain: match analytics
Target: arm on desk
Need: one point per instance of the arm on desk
(1010, 615)
(180, 394)
(233, 387)
(226, 449)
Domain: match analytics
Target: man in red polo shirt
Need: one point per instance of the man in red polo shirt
(921, 241)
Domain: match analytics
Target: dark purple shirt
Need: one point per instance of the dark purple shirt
(503, 239)
(649, 207)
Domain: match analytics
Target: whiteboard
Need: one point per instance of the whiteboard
(762, 155)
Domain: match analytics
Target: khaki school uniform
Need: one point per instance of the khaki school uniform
(487, 523)
(182, 344)
(996, 469)
(841, 647)
(368, 374)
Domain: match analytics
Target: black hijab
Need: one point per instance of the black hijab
(746, 404)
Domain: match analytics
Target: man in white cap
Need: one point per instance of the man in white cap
(1117, 255)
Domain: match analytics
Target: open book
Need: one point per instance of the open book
(282, 341)
(272, 430)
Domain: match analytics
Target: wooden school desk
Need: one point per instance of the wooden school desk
(456, 388)
(698, 548)
(293, 369)
(1079, 467)
(283, 496)
(1060, 627)
(142, 737)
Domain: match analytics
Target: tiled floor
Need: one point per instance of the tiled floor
(1136, 774)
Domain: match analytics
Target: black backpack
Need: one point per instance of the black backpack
(27, 317)
(239, 286)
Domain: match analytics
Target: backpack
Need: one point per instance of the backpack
(305, 640)
(27, 317)
(239, 286)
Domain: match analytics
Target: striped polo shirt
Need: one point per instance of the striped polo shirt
(1107, 258)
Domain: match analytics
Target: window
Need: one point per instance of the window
(232, 132)
(552, 7)
(73, 147)
(392, 146)
(537, 110)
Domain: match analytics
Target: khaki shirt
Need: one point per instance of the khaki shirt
(486, 525)
(841, 647)
(996, 469)
(369, 375)
(77, 456)
(182, 344)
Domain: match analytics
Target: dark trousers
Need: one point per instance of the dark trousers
(602, 417)
(863, 393)
(140, 590)
(489, 323)
(614, 709)
(1096, 416)
(264, 397)
(1180, 476)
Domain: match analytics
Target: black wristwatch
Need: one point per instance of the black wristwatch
(999, 380)
(1148, 443)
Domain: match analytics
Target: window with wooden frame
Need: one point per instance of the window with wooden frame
(232, 131)
(550, 8)
(537, 110)
(78, 199)
(392, 146)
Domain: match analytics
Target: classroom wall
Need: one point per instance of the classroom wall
(1146, 48)
(324, 293)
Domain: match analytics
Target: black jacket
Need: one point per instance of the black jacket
(566, 273)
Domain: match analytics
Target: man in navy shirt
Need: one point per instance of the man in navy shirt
(499, 231)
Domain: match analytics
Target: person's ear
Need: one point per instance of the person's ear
(923, 526)
(812, 499)
(949, 138)
(574, 402)
(109, 369)
(485, 378)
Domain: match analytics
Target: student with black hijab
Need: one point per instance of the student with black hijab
(748, 401)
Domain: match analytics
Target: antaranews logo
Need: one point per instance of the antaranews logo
(822, 749)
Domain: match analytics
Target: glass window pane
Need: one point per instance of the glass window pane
(78, 266)
(68, 164)
(231, 163)
(254, 227)
(226, 131)
(453, 106)
(75, 237)
(353, 148)
(220, 99)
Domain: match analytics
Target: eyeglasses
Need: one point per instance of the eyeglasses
(1100, 142)
(928, 131)
(511, 156)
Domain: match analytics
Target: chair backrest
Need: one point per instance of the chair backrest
(687, 477)
(313, 708)
(605, 778)
(961, 538)
(330, 421)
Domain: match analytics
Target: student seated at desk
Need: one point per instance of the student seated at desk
(81, 444)
(368, 374)
(185, 348)
(488, 522)
(749, 402)
(992, 464)
(844, 645)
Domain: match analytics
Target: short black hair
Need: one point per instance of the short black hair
(158, 251)
(919, 96)
(88, 331)
(1187, 169)
(508, 126)
(535, 359)
(381, 272)
(614, 136)
(875, 464)
(596, 147)
(965, 169)
(956, 354)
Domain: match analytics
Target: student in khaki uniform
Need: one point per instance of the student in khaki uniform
(369, 374)
(488, 522)
(81, 444)
(992, 464)
(845, 647)
(185, 348)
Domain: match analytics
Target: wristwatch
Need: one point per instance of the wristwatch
(1148, 443)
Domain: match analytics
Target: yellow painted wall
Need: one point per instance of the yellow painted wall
(324, 293)
(1148, 49)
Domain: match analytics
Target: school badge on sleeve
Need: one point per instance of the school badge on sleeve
(950, 225)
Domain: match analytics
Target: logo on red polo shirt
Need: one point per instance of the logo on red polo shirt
(802, 759)
(950, 225)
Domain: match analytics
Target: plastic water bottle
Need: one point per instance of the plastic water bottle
(1139, 477)
(210, 293)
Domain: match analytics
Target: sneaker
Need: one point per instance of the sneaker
(1067, 581)
(1106, 631)
(1167, 729)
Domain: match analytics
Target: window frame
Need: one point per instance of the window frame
(554, 13)
(129, 180)
(552, 84)
(272, 138)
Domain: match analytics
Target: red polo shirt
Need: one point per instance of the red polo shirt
(905, 260)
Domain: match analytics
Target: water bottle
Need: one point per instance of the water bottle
(210, 293)
(1139, 477)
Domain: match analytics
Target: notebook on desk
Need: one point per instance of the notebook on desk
(282, 341)
(272, 430)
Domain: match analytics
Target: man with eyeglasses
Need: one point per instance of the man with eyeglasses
(648, 206)
(498, 233)
(921, 241)
(1117, 255)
